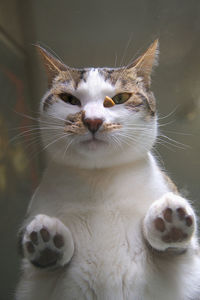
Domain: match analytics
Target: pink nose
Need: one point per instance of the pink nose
(93, 124)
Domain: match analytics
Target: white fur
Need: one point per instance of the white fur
(104, 209)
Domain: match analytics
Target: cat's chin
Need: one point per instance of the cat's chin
(93, 144)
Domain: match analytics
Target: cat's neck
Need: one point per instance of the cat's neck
(139, 168)
(141, 179)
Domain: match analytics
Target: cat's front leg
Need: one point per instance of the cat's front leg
(169, 223)
(47, 242)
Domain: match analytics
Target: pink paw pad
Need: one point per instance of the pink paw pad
(48, 255)
(174, 225)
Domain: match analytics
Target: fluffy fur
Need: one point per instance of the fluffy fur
(105, 223)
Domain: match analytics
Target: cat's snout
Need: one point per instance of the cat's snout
(92, 124)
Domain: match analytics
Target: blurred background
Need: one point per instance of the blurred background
(92, 33)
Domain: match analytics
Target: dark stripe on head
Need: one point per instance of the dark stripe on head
(123, 83)
(47, 102)
(78, 76)
(82, 75)
(109, 74)
(19, 242)
(146, 101)
(110, 71)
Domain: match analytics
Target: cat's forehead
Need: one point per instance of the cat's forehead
(94, 79)
(94, 82)
(122, 78)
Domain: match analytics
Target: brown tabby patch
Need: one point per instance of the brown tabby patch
(134, 102)
(74, 123)
(72, 77)
(126, 80)
(48, 101)
(69, 79)
(111, 126)
(111, 75)
(119, 76)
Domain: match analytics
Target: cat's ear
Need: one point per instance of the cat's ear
(144, 64)
(52, 65)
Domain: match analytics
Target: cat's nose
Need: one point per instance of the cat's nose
(93, 124)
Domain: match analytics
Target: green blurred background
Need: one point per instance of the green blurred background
(92, 33)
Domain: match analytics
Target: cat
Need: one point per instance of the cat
(105, 223)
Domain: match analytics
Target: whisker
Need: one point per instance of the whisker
(33, 131)
(39, 120)
(161, 141)
(174, 141)
(131, 138)
(35, 140)
(51, 143)
(115, 65)
(125, 67)
(126, 48)
(177, 132)
(158, 157)
(67, 147)
(169, 114)
(168, 123)
(117, 141)
(54, 141)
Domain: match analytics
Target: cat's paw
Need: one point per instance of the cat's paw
(47, 242)
(169, 223)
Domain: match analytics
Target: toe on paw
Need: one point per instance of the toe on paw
(167, 214)
(30, 247)
(34, 237)
(45, 234)
(189, 221)
(58, 241)
(159, 224)
(181, 213)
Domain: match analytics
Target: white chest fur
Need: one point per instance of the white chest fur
(103, 210)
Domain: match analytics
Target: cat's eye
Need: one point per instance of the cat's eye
(68, 98)
(121, 98)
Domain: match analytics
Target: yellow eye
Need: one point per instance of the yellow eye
(121, 98)
(68, 98)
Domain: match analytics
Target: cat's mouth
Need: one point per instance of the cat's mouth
(93, 143)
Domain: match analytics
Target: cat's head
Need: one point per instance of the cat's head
(99, 117)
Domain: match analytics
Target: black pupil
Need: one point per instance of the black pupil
(119, 98)
(70, 98)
